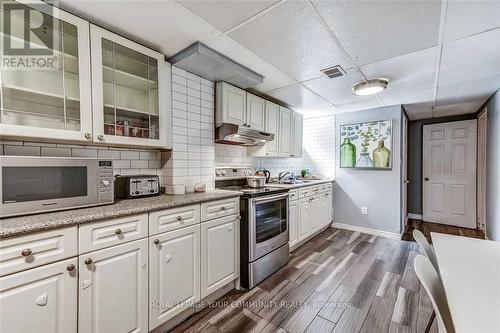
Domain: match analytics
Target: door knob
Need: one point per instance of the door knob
(426, 179)
(88, 261)
(100, 137)
(71, 267)
(88, 136)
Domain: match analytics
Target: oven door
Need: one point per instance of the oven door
(268, 224)
(39, 184)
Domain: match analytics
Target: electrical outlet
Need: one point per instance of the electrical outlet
(364, 210)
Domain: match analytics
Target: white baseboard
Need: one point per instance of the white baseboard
(386, 234)
(415, 216)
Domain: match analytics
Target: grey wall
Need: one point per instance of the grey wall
(492, 169)
(415, 152)
(380, 191)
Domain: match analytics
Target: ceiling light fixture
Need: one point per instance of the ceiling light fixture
(369, 87)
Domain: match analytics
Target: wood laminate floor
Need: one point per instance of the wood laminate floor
(341, 281)
(427, 227)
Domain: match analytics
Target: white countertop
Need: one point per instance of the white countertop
(303, 184)
(470, 272)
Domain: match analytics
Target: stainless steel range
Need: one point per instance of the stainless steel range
(264, 226)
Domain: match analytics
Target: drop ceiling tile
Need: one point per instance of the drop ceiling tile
(290, 37)
(329, 111)
(418, 111)
(166, 25)
(372, 31)
(457, 109)
(409, 97)
(273, 77)
(466, 91)
(470, 59)
(299, 97)
(368, 102)
(466, 18)
(409, 72)
(225, 14)
(337, 90)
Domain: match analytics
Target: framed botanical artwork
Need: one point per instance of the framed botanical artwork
(366, 145)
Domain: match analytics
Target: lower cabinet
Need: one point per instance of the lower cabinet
(41, 299)
(327, 206)
(219, 253)
(113, 290)
(174, 280)
(316, 213)
(293, 223)
(305, 225)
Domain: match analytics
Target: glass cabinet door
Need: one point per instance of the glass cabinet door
(45, 73)
(129, 108)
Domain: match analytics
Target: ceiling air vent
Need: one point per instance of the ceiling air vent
(333, 72)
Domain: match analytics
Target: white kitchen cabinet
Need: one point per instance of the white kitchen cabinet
(316, 213)
(272, 123)
(305, 224)
(174, 280)
(42, 299)
(327, 208)
(297, 130)
(293, 223)
(256, 112)
(285, 132)
(219, 253)
(130, 92)
(53, 101)
(231, 104)
(113, 289)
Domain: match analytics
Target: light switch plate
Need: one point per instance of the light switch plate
(364, 210)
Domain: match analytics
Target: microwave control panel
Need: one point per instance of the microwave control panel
(105, 172)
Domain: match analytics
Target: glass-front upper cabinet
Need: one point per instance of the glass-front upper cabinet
(131, 90)
(45, 73)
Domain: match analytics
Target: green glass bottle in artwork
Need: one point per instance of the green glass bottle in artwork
(381, 156)
(347, 154)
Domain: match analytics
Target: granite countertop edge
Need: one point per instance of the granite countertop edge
(299, 185)
(23, 225)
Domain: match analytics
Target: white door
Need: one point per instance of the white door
(174, 273)
(219, 253)
(256, 111)
(305, 226)
(404, 173)
(285, 144)
(114, 289)
(297, 135)
(449, 172)
(481, 170)
(316, 214)
(272, 126)
(233, 104)
(327, 208)
(293, 223)
(41, 299)
(130, 92)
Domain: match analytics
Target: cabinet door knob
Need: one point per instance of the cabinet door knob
(88, 261)
(26, 252)
(223, 208)
(156, 241)
(426, 179)
(179, 218)
(70, 267)
(88, 136)
(118, 231)
(100, 137)
(230, 228)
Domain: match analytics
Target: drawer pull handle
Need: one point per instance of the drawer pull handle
(156, 241)
(26, 252)
(70, 267)
(88, 261)
(118, 231)
(223, 208)
(179, 218)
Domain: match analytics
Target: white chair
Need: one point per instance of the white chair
(431, 282)
(425, 247)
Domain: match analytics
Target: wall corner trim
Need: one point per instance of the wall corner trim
(386, 234)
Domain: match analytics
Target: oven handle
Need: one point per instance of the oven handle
(267, 199)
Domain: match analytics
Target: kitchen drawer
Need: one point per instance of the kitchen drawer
(323, 188)
(293, 194)
(24, 252)
(175, 218)
(99, 235)
(215, 209)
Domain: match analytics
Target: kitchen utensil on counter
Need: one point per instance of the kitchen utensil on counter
(189, 187)
(265, 173)
(200, 187)
(137, 186)
(256, 181)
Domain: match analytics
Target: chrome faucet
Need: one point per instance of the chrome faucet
(282, 175)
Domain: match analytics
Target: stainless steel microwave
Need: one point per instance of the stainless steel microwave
(40, 184)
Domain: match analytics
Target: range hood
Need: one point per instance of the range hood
(231, 134)
(201, 60)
